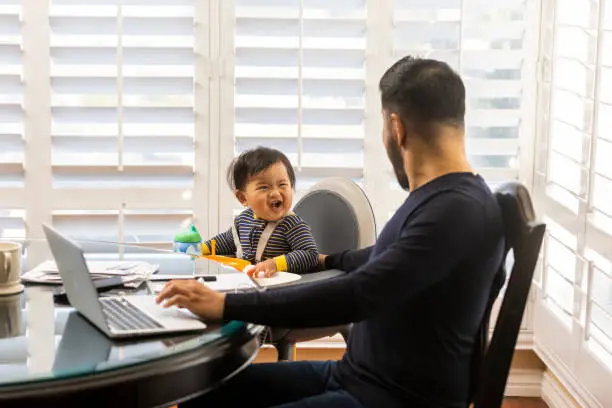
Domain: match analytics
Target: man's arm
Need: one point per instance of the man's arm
(348, 261)
(426, 252)
(304, 256)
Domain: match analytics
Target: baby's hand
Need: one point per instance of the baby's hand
(263, 269)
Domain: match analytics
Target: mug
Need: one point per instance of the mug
(11, 320)
(10, 268)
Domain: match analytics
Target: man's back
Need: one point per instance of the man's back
(417, 349)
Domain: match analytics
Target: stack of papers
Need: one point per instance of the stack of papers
(132, 273)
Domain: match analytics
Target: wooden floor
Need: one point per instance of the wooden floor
(524, 403)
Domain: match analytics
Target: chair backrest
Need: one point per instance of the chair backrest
(491, 362)
(339, 214)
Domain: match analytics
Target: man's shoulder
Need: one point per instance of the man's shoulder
(470, 209)
(466, 202)
(471, 193)
(478, 198)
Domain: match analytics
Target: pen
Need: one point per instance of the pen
(207, 278)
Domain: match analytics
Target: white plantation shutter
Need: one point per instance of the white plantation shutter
(299, 75)
(305, 72)
(573, 185)
(12, 152)
(487, 43)
(123, 117)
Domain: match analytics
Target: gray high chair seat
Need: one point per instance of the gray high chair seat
(341, 218)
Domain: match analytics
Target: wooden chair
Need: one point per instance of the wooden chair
(491, 361)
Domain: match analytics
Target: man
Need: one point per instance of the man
(417, 296)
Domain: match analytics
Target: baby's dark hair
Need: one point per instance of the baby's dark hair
(253, 162)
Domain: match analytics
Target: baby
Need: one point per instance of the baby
(267, 233)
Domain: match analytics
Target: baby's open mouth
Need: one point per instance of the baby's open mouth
(276, 204)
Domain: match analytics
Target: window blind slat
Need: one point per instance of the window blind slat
(576, 184)
(484, 42)
(87, 197)
(12, 147)
(10, 10)
(122, 120)
(300, 83)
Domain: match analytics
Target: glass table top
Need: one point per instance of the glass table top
(41, 340)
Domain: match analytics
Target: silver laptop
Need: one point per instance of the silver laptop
(116, 316)
(83, 346)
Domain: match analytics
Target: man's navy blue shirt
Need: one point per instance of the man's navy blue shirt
(417, 296)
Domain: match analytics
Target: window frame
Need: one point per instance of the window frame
(39, 169)
(564, 349)
(214, 122)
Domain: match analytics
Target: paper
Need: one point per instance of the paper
(106, 268)
(226, 282)
(229, 282)
(279, 278)
(132, 273)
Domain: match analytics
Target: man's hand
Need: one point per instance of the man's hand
(268, 268)
(195, 297)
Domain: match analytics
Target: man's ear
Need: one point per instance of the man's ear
(398, 130)
(241, 197)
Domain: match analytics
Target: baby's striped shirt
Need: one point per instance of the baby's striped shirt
(291, 245)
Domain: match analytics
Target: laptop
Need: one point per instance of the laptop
(83, 346)
(116, 316)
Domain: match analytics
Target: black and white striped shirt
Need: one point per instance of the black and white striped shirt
(291, 245)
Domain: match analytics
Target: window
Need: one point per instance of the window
(126, 103)
(126, 113)
(572, 185)
(11, 121)
(299, 84)
(305, 73)
(487, 43)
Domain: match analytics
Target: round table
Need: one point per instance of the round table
(51, 355)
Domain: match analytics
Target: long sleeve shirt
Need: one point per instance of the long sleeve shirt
(291, 245)
(417, 297)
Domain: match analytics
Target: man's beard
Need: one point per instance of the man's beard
(397, 161)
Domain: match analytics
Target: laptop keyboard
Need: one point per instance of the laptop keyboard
(122, 315)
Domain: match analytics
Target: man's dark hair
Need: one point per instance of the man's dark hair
(253, 162)
(423, 91)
